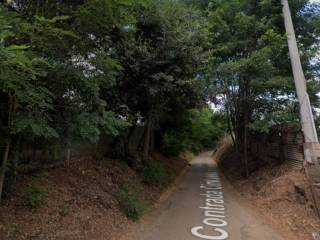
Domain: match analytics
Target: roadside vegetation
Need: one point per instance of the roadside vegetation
(34, 195)
(154, 173)
(131, 203)
(94, 73)
(123, 80)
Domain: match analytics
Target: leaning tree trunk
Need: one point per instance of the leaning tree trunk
(146, 145)
(11, 112)
(230, 127)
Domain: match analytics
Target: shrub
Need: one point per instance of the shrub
(34, 196)
(154, 173)
(130, 203)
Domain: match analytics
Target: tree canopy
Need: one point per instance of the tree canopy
(80, 71)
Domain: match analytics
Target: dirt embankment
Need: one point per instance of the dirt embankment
(80, 203)
(280, 193)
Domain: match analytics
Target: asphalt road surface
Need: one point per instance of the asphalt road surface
(204, 206)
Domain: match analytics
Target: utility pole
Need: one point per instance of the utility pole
(311, 145)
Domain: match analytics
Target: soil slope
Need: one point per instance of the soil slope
(279, 192)
(80, 203)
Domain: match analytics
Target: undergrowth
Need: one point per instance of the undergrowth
(34, 196)
(154, 173)
(130, 202)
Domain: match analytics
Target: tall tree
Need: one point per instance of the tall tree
(251, 65)
(165, 50)
(25, 99)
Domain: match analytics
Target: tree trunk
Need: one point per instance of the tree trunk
(246, 126)
(239, 115)
(68, 146)
(16, 158)
(68, 155)
(230, 129)
(152, 141)
(128, 153)
(3, 167)
(245, 150)
(37, 8)
(12, 106)
(146, 146)
(5, 159)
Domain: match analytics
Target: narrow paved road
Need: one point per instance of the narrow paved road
(204, 206)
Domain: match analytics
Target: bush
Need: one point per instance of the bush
(130, 203)
(34, 196)
(154, 173)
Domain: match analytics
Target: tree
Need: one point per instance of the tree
(51, 84)
(81, 70)
(250, 65)
(161, 56)
(25, 99)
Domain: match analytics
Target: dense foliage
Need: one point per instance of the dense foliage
(85, 71)
(92, 72)
(200, 129)
(251, 67)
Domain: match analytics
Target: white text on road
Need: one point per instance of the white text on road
(214, 210)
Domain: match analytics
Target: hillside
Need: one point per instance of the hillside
(279, 192)
(79, 202)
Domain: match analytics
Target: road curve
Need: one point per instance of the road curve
(204, 206)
